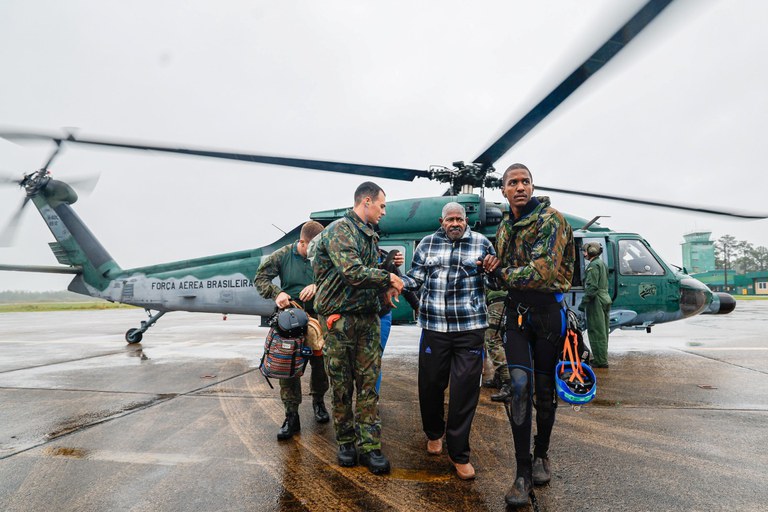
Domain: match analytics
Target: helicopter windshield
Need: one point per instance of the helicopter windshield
(636, 260)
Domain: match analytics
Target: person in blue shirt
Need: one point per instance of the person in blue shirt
(448, 269)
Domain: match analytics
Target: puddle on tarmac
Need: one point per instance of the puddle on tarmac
(420, 475)
(63, 451)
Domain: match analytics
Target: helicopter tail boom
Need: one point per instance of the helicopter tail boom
(75, 246)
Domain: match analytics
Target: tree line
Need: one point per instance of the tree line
(740, 255)
(21, 297)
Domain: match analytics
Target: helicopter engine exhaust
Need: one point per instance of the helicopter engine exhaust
(722, 304)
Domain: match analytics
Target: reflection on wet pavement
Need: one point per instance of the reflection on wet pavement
(184, 421)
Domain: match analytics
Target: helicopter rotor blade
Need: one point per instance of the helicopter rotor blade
(84, 184)
(9, 231)
(7, 180)
(54, 154)
(393, 173)
(589, 67)
(676, 206)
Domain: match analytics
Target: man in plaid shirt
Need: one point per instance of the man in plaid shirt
(448, 269)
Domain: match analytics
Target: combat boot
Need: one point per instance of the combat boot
(321, 413)
(541, 473)
(291, 426)
(347, 455)
(504, 393)
(375, 461)
(520, 492)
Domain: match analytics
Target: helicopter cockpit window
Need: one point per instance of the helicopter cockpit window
(636, 260)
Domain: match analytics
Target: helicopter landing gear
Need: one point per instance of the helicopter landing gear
(135, 335)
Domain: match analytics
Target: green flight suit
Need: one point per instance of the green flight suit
(597, 304)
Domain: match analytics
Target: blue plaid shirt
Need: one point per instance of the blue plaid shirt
(452, 291)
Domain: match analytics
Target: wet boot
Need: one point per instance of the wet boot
(291, 426)
(321, 413)
(347, 455)
(520, 492)
(504, 393)
(375, 461)
(541, 473)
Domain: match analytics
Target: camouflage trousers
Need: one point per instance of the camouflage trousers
(353, 362)
(290, 389)
(495, 359)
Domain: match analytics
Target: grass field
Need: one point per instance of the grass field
(59, 306)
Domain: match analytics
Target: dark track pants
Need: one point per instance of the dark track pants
(456, 357)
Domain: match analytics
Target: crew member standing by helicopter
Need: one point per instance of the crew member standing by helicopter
(536, 250)
(291, 265)
(348, 285)
(597, 304)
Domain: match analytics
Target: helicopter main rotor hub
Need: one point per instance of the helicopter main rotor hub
(464, 177)
(35, 181)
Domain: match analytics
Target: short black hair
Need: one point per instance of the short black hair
(367, 189)
(512, 168)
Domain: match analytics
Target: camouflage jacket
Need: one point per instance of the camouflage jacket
(537, 250)
(294, 271)
(346, 268)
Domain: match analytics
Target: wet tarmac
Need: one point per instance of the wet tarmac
(184, 421)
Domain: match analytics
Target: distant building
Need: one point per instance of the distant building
(751, 283)
(698, 252)
(699, 261)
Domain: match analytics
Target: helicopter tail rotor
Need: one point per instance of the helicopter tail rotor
(32, 183)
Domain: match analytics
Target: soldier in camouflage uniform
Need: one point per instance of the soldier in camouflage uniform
(536, 249)
(348, 286)
(291, 265)
(495, 373)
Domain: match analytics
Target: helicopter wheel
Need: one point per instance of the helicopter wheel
(133, 336)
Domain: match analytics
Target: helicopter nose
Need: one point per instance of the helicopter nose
(694, 297)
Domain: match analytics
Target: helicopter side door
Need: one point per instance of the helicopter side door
(577, 283)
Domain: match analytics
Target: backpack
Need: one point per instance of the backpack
(286, 353)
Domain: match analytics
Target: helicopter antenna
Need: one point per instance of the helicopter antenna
(585, 226)
(279, 229)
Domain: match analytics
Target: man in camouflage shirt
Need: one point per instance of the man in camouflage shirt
(348, 286)
(291, 265)
(536, 250)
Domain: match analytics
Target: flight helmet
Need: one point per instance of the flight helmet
(575, 391)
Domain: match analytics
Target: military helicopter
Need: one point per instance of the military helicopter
(646, 290)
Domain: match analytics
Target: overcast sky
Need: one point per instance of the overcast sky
(679, 115)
